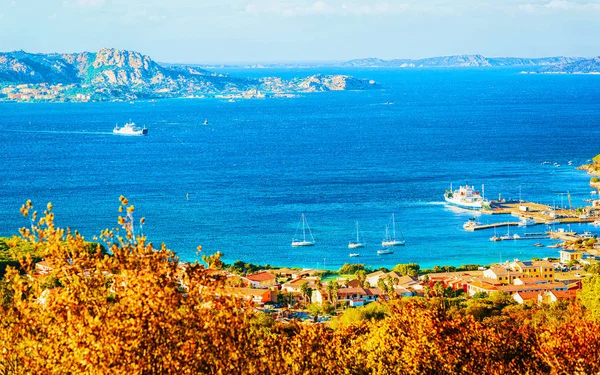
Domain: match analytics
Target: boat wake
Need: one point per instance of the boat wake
(438, 203)
(58, 132)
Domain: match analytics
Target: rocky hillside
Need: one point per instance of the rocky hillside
(111, 73)
(586, 66)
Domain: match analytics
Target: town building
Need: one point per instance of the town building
(262, 279)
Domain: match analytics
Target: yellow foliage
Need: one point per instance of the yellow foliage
(137, 311)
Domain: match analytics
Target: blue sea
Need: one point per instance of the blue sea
(240, 184)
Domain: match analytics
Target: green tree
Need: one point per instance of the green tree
(438, 289)
(480, 295)
(351, 269)
(411, 269)
(335, 287)
(306, 291)
(318, 284)
(500, 299)
(213, 261)
(361, 276)
(590, 295)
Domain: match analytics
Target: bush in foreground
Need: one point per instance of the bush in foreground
(136, 311)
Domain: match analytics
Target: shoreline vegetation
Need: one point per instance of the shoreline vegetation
(593, 168)
(134, 308)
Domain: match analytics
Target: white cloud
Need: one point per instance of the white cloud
(90, 3)
(558, 5)
(291, 9)
(318, 7)
(52, 17)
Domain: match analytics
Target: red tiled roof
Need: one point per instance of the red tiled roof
(528, 295)
(359, 291)
(564, 294)
(261, 276)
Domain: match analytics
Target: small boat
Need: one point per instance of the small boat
(205, 122)
(356, 244)
(352, 255)
(506, 236)
(385, 251)
(495, 239)
(596, 223)
(130, 129)
(303, 241)
(471, 223)
(538, 245)
(465, 197)
(527, 222)
(392, 241)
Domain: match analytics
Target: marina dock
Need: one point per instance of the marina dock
(492, 225)
(541, 214)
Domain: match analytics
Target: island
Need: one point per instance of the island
(116, 75)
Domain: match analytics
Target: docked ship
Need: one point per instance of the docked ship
(465, 197)
(130, 129)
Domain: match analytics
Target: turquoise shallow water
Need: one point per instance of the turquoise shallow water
(337, 157)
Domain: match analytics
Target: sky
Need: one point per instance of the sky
(228, 31)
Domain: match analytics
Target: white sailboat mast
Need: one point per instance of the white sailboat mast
(303, 228)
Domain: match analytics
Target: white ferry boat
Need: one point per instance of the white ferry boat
(465, 197)
(130, 129)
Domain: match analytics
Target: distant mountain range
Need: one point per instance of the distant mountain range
(112, 74)
(558, 64)
(460, 61)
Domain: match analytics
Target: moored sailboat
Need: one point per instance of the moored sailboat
(386, 251)
(303, 241)
(356, 244)
(392, 241)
